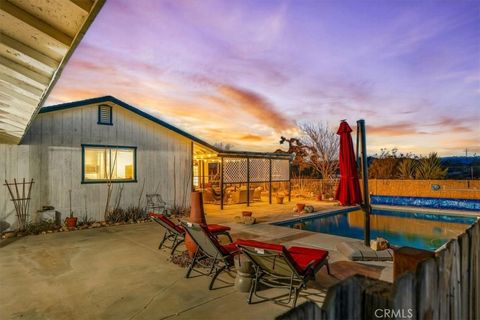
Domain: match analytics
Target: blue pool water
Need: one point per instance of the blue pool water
(414, 229)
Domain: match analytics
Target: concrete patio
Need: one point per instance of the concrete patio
(117, 272)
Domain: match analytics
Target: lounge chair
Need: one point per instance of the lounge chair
(176, 233)
(209, 248)
(277, 266)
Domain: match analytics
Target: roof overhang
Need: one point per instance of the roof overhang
(37, 39)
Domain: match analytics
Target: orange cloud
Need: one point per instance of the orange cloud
(251, 137)
(399, 129)
(257, 106)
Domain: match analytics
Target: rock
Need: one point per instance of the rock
(49, 231)
(249, 220)
(103, 224)
(9, 234)
(96, 225)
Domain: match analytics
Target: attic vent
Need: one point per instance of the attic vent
(104, 115)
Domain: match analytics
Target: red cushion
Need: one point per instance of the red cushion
(304, 256)
(260, 245)
(215, 228)
(168, 222)
(230, 248)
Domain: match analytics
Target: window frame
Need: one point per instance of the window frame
(99, 118)
(90, 181)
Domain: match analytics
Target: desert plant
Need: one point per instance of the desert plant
(406, 168)
(135, 214)
(179, 211)
(430, 168)
(116, 215)
(41, 226)
(86, 220)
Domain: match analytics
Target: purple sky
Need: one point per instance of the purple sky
(246, 72)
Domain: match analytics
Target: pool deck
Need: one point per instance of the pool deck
(264, 230)
(117, 272)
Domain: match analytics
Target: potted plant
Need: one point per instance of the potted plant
(280, 197)
(71, 221)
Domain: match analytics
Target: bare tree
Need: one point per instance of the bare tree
(318, 148)
(109, 171)
(324, 145)
(223, 146)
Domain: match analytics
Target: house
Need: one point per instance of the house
(80, 147)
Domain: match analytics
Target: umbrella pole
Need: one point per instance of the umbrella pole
(366, 196)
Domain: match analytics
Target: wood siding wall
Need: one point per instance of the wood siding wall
(51, 154)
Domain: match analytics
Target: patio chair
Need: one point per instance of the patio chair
(209, 248)
(279, 267)
(156, 204)
(176, 233)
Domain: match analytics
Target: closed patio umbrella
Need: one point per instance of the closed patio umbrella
(348, 191)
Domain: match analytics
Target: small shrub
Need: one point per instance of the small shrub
(179, 211)
(86, 220)
(135, 213)
(42, 226)
(116, 215)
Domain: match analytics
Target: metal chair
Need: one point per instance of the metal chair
(278, 267)
(176, 233)
(209, 248)
(156, 204)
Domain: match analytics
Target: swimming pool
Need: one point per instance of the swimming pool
(416, 229)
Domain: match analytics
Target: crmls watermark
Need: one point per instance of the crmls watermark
(394, 313)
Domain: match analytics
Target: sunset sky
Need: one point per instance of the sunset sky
(247, 72)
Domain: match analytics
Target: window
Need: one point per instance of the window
(109, 163)
(104, 115)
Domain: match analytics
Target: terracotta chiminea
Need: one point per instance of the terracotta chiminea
(197, 215)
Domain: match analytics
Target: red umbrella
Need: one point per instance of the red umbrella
(348, 192)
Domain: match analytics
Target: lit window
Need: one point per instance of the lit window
(109, 163)
(104, 115)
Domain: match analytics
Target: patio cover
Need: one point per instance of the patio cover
(37, 39)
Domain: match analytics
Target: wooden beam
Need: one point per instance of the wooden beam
(17, 109)
(36, 23)
(5, 114)
(11, 129)
(28, 51)
(21, 84)
(14, 112)
(19, 69)
(17, 95)
(85, 5)
(8, 138)
(19, 125)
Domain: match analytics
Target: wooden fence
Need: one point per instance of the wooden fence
(444, 287)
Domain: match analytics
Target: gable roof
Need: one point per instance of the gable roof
(148, 116)
(129, 107)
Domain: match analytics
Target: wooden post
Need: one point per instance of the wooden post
(289, 181)
(202, 172)
(270, 182)
(248, 182)
(221, 183)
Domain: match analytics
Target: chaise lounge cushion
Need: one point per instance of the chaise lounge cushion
(216, 228)
(260, 245)
(167, 221)
(303, 257)
(213, 228)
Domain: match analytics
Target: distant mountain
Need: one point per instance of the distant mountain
(460, 161)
